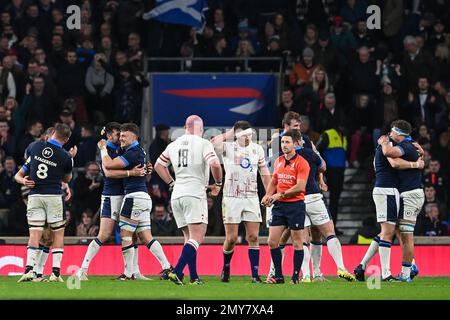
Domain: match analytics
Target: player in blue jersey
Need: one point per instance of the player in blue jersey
(46, 241)
(317, 215)
(112, 198)
(47, 166)
(405, 157)
(137, 204)
(387, 198)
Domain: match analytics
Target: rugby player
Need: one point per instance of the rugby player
(112, 198)
(242, 160)
(47, 166)
(137, 204)
(191, 157)
(405, 157)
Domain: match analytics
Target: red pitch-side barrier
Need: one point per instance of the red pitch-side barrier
(431, 260)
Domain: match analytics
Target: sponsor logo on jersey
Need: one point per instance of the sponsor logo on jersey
(47, 152)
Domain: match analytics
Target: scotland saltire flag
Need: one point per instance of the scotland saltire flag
(188, 12)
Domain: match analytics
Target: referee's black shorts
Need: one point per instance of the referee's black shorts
(290, 214)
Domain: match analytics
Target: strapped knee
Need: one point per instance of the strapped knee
(127, 226)
(55, 226)
(36, 225)
(406, 227)
(142, 226)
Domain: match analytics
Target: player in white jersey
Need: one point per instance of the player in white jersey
(191, 157)
(242, 160)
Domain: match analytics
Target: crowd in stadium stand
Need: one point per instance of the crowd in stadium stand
(338, 75)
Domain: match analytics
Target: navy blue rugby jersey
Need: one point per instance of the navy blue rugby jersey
(134, 155)
(46, 165)
(113, 187)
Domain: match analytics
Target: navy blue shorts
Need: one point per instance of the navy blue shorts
(289, 214)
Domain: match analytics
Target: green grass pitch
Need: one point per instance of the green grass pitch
(240, 288)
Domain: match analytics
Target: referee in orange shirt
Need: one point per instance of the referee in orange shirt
(287, 192)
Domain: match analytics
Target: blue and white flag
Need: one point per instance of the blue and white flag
(188, 12)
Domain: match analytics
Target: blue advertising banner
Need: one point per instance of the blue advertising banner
(220, 99)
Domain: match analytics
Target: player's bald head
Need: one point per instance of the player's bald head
(194, 124)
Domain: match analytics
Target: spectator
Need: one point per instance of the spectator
(87, 190)
(360, 127)
(220, 51)
(7, 140)
(10, 107)
(219, 25)
(73, 86)
(162, 223)
(416, 63)
(363, 79)
(421, 106)
(362, 36)
(302, 72)
(330, 115)
(135, 54)
(430, 225)
(39, 104)
(305, 129)
(9, 188)
(17, 217)
(128, 97)
(87, 147)
(286, 105)
(343, 40)
(7, 84)
(313, 94)
(392, 22)
(66, 117)
(430, 198)
(57, 52)
(434, 176)
(33, 134)
(333, 148)
(106, 47)
(354, 10)
(99, 84)
(17, 74)
(442, 55)
(87, 228)
(386, 111)
(215, 222)
(159, 143)
(326, 55)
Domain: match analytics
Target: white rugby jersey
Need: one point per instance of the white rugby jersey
(190, 156)
(241, 169)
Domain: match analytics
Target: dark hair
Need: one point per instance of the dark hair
(242, 125)
(130, 127)
(289, 116)
(110, 127)
(294, 134)
(63, 131)
(403, 125)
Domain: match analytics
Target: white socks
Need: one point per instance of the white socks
(156, 249)
(371, 252)
(305, 262)
(385, 258)
(316, 257)
(335, 250)
(41, 261)
(128, 254)
(92, 250)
